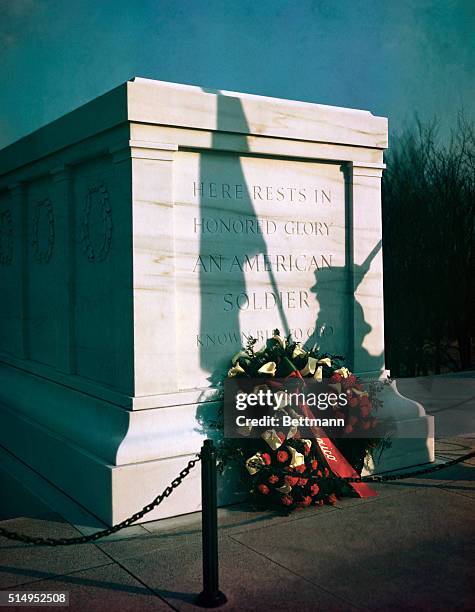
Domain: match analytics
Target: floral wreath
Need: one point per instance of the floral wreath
(285, 470)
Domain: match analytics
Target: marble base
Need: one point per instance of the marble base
(57, 431)
(412, 434)
(110, 492)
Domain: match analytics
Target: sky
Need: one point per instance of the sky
(392, 57)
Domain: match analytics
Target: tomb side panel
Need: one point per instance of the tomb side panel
(103, 273)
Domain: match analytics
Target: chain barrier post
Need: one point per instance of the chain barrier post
(210, 513)
(211, 596)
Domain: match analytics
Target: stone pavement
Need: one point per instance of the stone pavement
(410, 548)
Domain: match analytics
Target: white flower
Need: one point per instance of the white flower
(310, 367)
(297, 458)
(235, 371)
(280, 340)
(268, 368)
(254, 464)
(298, 351)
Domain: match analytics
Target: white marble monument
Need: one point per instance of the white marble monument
(143, 237)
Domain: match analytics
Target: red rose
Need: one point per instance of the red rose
(287, 500)
(354, 402)
(336, 377)
(300, 468)
(291, 480)
(364, 400)
(282, 456)
(332, 499)
(273, 479)
(281, 436)
(319, 474)
(314, 464)
(314, 489)
(348, 428)
(266, 458)
(302, 482)
(365, 410)
(366, 424)
(326, 471)
(306, 501)
(264, 489)
(353, 420)
(351, 380)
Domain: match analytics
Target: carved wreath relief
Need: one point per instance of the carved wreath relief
(43, 231)
(97, 224)
(6, 238)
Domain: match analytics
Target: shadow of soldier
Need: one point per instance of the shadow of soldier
(224, 196)
(226, 202)
(341, 326)
(230, 233)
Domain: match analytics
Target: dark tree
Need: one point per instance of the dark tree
(429, 250)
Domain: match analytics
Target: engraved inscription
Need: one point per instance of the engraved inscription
(238, 339)
(270, 193)
(260, 243)
(229, 263)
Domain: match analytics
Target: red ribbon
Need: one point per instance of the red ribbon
(335, 460)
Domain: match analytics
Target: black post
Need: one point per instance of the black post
(211, 596)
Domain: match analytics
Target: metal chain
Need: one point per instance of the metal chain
(427, 470)
(13, 535)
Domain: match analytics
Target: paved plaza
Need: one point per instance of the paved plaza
(410, 548)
